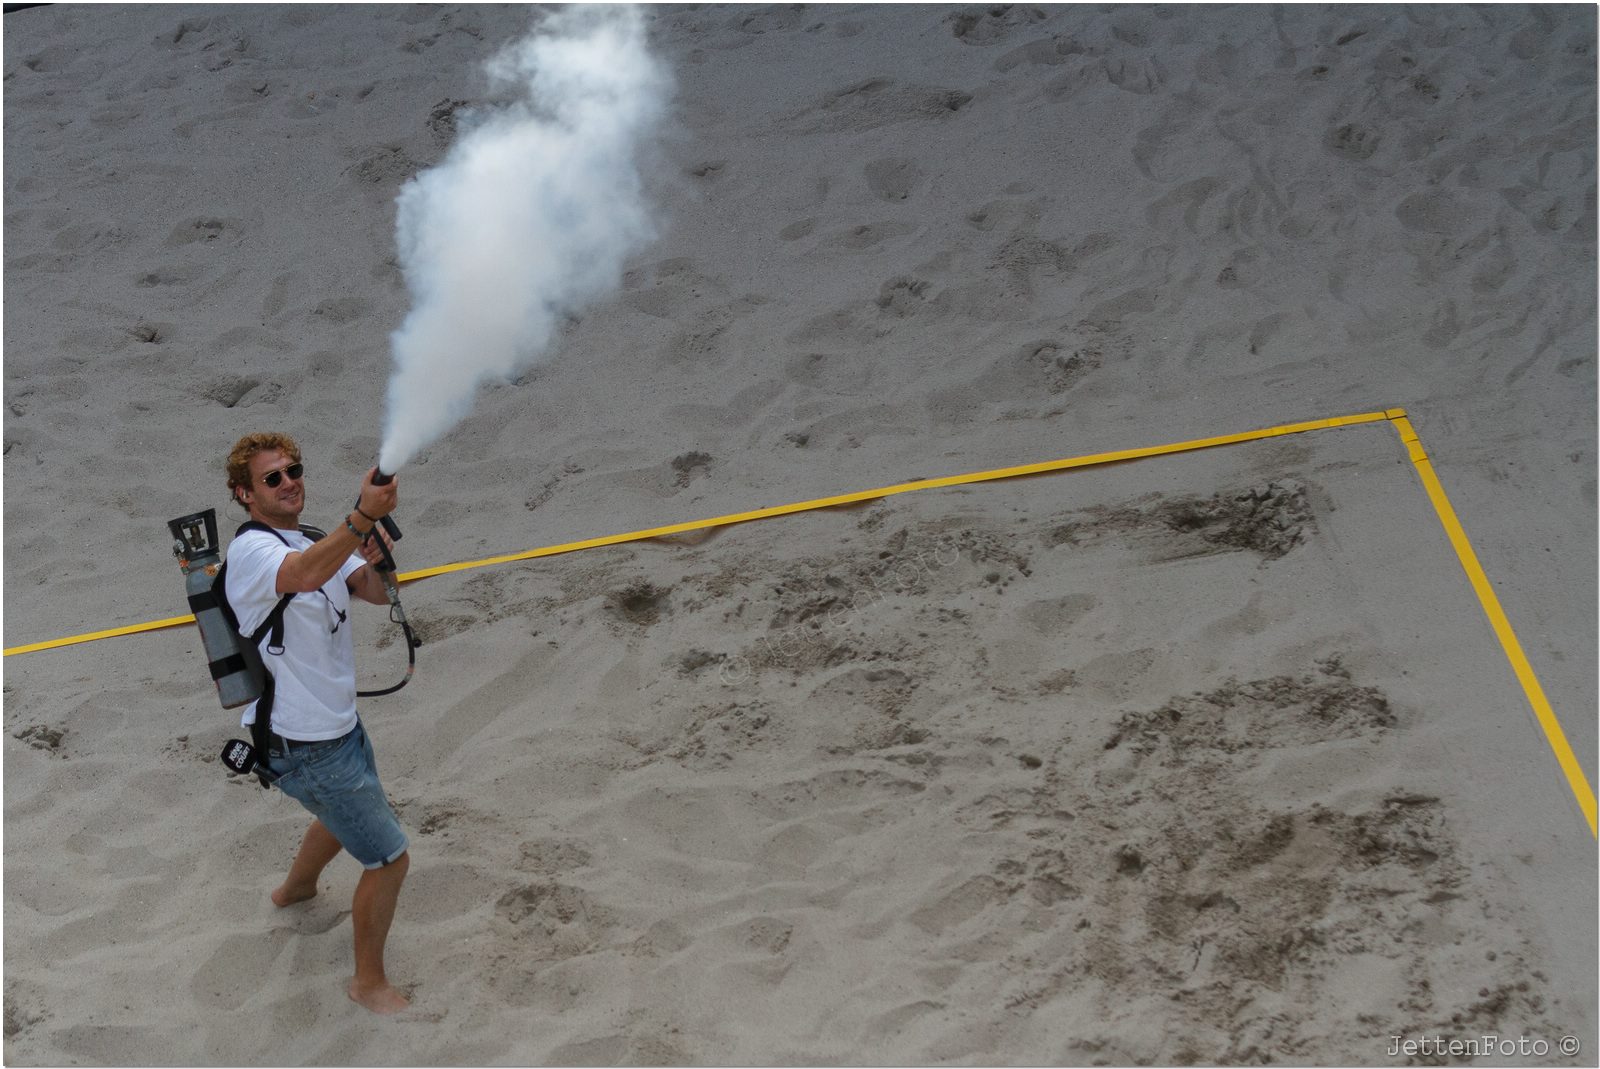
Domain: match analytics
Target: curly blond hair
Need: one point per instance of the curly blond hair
(245, 449)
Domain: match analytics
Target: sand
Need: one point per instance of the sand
(1209, 758)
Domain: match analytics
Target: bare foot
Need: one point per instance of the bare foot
(288, 896)
(381, 998)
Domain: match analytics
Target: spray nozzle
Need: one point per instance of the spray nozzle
(383, 478)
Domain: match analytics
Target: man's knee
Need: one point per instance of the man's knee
(386, 877)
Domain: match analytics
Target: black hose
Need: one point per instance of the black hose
(412, 642)
(387, 569)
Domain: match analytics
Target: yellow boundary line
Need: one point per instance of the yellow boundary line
(781, 510)
(1546, 716)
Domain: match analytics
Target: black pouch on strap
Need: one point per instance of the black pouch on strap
(239, 756)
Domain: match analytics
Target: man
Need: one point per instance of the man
(319, 753)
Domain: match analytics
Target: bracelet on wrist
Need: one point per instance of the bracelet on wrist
(353, 530)
(369, 519)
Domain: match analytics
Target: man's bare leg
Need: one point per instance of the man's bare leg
(371, 913)
(317, 849)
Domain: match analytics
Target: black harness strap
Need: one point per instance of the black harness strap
(261, 729)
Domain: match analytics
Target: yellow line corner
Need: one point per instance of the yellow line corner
(1577, 782)
(1546, 716)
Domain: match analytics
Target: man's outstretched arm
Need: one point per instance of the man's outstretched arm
(303, 572)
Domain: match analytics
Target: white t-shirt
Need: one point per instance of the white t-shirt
(314, 679)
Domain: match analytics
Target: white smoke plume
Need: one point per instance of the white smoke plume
(528, 218)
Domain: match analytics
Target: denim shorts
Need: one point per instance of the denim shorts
(337, 782)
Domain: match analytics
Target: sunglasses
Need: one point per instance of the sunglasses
(273, 478)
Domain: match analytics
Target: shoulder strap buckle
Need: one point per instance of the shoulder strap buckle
(274, 621)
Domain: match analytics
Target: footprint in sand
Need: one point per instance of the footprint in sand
(1013, 215)
(1055, 616)
(664, 289)
(229, 390)
(339, 310)
(852, 327)
(1352, 141)
(1045, 52)
(1134, 75)
(797, 230)
(278, 295)
(234, 970)
(173, 275)
(689, 465)
(1157, 144)
(443, 120)
(993, 25)
(383, 168)
(960, 905)
(894, 179)
(875, 103)
(1439, 212)
(826, 371)
(1184, 202)
(204, 229)
(902, 296)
